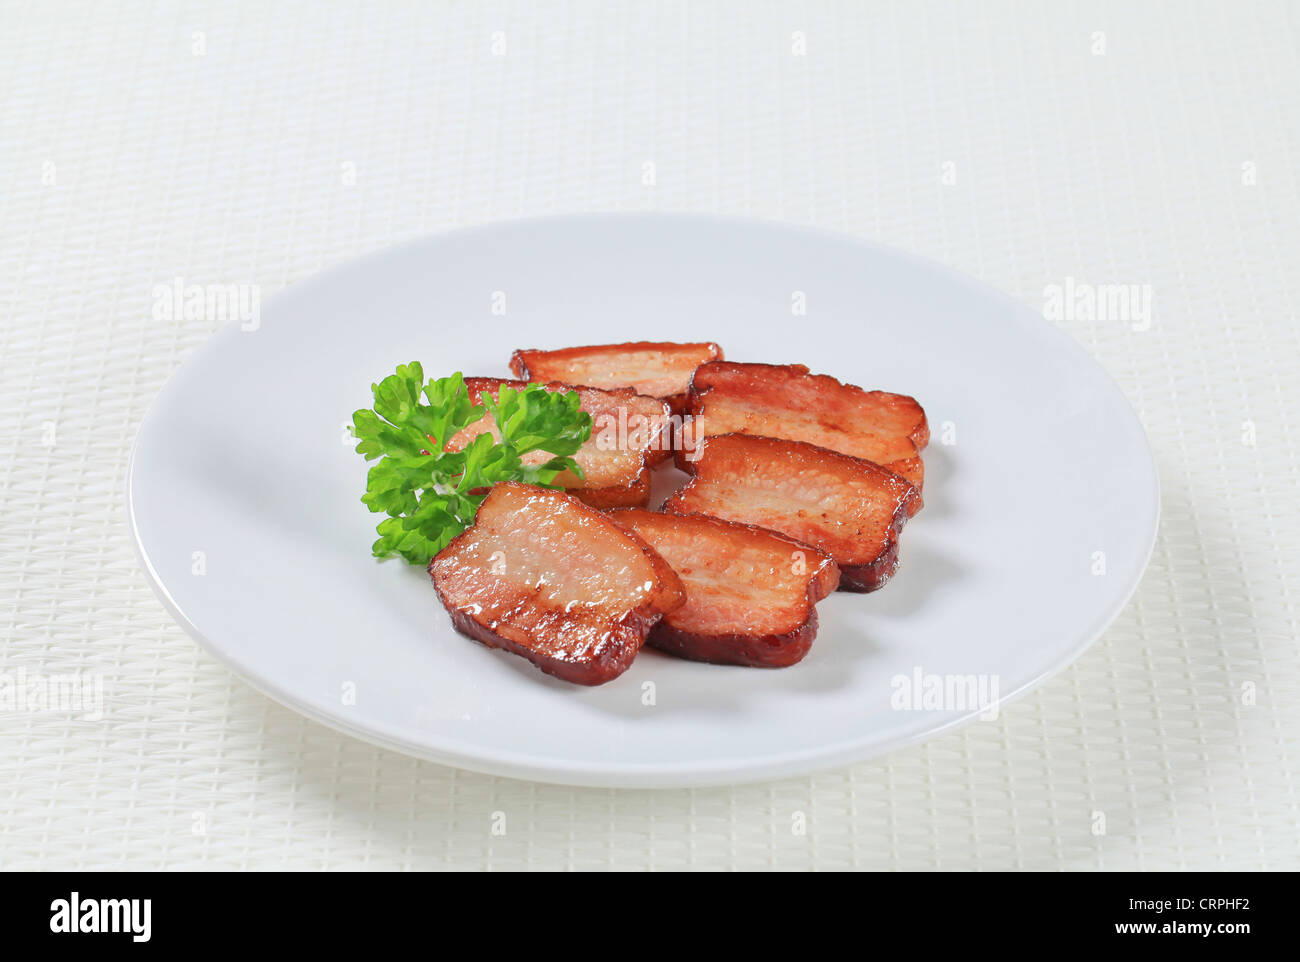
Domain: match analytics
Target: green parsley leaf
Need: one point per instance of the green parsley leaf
(430, 495)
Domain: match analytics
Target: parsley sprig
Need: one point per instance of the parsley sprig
(428, 493)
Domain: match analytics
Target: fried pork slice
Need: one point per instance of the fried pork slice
(750, 592)
(654, 368)
(629, 434)
(785, 401)
(547, 577)
(847, 507)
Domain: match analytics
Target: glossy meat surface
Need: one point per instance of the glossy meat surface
(629, 434)
(786, 401)
(545, 576)
(849, 508)
(655, 368)
(750, 592)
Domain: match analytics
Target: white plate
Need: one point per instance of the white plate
(244, 497)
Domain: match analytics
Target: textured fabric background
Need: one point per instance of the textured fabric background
(1025, 143)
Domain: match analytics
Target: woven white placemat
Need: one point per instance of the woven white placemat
(1031, 144)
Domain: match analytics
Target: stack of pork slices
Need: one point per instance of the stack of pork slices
(797, 484)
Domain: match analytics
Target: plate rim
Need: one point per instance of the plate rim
(705, 773)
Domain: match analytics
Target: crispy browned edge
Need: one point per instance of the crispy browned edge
(636, 493)
(676, 402)
(742, 647)
(640, 620)
(860, 578)
(911, 470)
